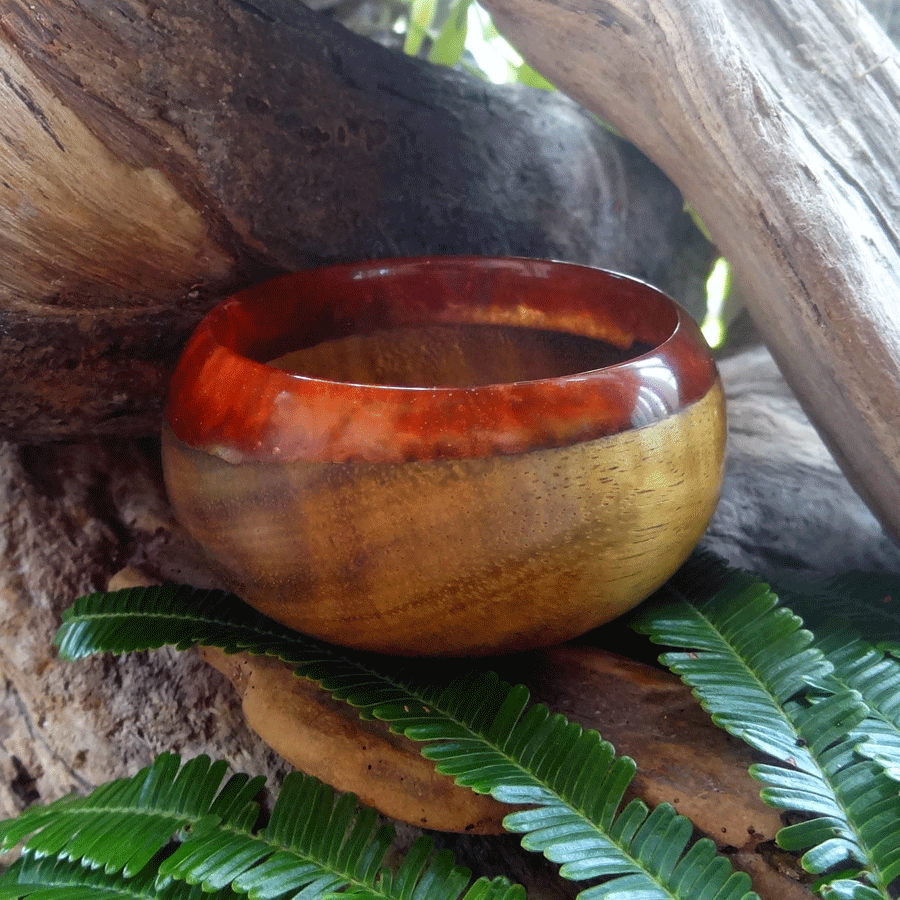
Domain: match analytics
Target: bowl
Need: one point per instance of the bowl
(445, 456)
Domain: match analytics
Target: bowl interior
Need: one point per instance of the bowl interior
(453, 355)
(448, 322)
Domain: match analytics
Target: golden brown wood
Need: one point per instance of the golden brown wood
(682, 758)
(326, 738)
(778, 119)
(449, 557)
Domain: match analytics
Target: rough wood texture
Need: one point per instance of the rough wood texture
(71, 516)
(155, 156)
(821, 527)
(778, 120)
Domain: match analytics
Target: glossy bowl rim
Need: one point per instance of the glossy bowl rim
(238, 432)
(678, 312)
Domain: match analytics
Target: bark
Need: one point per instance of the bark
(778, 121)
(157, 155)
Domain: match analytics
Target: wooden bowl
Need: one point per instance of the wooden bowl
(445, 456)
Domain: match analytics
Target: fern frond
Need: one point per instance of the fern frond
(746, 658)
(334, 846)
(478, 730)
(315, 843)
(147, 618)
(746, 655)
(524, 754)
(860, 666)
(53, 878)
(151, 808)
(312, 840)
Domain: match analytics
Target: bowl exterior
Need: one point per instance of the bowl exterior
(457, 556)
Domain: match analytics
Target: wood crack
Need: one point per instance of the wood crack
(28, 101)
(47, 752)
(853, 181)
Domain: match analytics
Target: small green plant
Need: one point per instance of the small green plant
(476, 729)
(821, 705)
(461, 33)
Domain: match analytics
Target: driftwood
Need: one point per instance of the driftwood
(155, 156)
(778, 121)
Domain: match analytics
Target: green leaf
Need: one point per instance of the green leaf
(487, 738)
(421, 20)
(860, 666)
(480, 731)
(701, 225)
(151, 808)
(169, 827)
(850, 890)
(53, 878)
(313, 841)
(448, 46)
(745, 656)
(148, 618)
(526, 75)
(750, 663)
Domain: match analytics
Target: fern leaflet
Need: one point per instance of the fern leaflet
(750, 664)
(860, 666)
(479, 730)
(151, 807)
(53, 878)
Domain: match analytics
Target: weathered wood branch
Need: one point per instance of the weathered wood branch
(778, 120)
(156, 155)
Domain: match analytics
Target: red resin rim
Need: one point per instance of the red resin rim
(225, 400)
